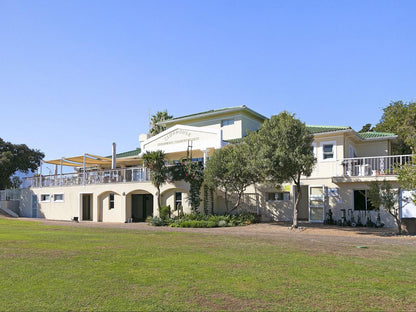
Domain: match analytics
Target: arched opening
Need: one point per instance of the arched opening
(141, 206)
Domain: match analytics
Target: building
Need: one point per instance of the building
(346, 162)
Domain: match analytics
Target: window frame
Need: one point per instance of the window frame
(178, 202)
(276, 196)
(227, 122)
(366, 201)
(334, 150)
(111, 202)
(45, 200)
(58, 200)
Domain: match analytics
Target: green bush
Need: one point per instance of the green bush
(205, 221)
(156, 221)
(165, 212)
(222, 223)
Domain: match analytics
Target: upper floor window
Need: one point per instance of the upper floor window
(328, 150)
(227, 122)
(352, 153)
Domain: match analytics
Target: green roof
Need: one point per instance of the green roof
(322, 129)
(127, 154)
(213, 111)
(374, 135)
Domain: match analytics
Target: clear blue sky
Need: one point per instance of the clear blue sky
(76, 76)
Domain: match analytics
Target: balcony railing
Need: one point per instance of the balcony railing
(373, 166)
(126, 175)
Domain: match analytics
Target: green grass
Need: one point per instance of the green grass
(51, 268)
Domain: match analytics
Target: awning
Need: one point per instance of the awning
(90, 160)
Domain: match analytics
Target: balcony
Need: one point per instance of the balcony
(127, 175)
(361, 167)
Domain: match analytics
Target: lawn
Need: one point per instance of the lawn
(55, 268)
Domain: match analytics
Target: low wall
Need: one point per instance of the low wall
(12, 205)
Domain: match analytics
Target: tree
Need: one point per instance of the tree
(16, 157)
(400, 118)
(16, 182)
(155, 161)
(366, 128)
(159, 117)
(284, 153)
(406, 175)
(383, 195)
(233, 169)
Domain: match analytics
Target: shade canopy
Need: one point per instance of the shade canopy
(91, 160)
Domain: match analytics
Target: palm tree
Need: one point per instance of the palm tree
(158, 117)
(155, 161)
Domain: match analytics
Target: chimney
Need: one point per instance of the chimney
(113, 158)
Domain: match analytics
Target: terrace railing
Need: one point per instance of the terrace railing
(10, 194)
(373, 166)
(126, 175)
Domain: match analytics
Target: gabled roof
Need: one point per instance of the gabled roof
(212, 113)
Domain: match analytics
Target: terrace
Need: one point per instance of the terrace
(383, 166)
(125, 175)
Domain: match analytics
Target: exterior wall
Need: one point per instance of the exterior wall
(375, 148)
(325, 168)
(72, 206)
(249, 125)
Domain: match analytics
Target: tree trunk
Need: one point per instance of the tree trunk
(295, 208)
(159, 204)
(226, 200)
(399, 225)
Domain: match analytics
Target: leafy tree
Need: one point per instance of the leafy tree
(406, 174)
(400, 118)
(16, 182)
(383, 195)
(158, 117)
(366, 128)
(233, 169)
(155, 161)
(284, 154)
(16, 157)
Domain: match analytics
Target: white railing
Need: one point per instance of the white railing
(126, 175)
(373, 166)
(10, 194)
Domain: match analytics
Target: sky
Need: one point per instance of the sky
(76, 76)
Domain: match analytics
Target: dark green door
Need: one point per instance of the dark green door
(86, 207)
(141, 207)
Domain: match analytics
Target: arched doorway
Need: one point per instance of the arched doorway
(141, 207)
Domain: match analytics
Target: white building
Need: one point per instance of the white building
(346, 162)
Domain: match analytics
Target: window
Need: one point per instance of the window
(283, 196)
(227, 122)
(178, 200)
(313, 149)
(361, 201)
(328, 150)
(111, 201)
(352, 151)
(45, 197)
(58, 197)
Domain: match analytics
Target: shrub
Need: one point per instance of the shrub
(164, 212)
(156, 221)
(222, 223)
